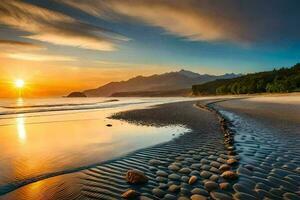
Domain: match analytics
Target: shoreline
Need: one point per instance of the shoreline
(200, 153)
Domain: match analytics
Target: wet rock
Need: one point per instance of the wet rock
(224, 168)
(161, 179)
(163, 186)
(155, 162)
(242, 196)
(192, 180)
(198, 197)
(173, 167)
(214, 177)
(224, 186)
(291, 196)
(214, 170)
(195, 173)
(215, 164)
(205, 174)
(185, 170)
(135, 176)
(185, 178)
(210, 185)
(175, 177)
(183, 198)
(229, 175)
(184, 192)
(220, 196)
(205, 167)
(196, 166)
(199, 191)
(158, 192)
(174, 188)
(144, 198)
(204, 161)
(221, 160)
(231, 161)
(170, 197)
(129, 194)
(162, 173)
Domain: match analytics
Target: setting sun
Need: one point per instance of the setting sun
(19, 83)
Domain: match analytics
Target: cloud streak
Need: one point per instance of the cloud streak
(56, 28)
(204, 20)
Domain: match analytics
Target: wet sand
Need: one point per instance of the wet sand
(264, 155)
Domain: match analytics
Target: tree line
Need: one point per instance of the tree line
(276, 81)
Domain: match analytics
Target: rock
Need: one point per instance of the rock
(242, 196)
(185, 170)
(210, 185)
(198, 197)
(173, 167)
(163, 186)
(229, 175)
(77, 94)
(175, 177)
(195, 173)
(224, 186)
(214, 170)
(162, 173)
(144, 198)
(185, 178)
(158, 192)
(220, 196)
(205, 174)
(154, 162)
(231, 161)
(214, 177)
(224, 168)
(174, 188)
(135, 176)
(192, 180)
(170, 197)
(109, 125)
(161, 179)
(129, 194)
(196, 166)
(215, 164)
(199, 191)
(183, 198)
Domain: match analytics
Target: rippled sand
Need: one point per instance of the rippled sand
(265, 148)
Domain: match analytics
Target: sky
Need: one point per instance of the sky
(59, 46)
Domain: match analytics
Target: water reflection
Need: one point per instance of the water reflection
(21, 128)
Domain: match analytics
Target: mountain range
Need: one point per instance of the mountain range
(159, 83)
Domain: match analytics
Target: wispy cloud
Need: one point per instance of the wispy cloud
(9, 44)
(56, 28)
(40, 57)
(202, 20)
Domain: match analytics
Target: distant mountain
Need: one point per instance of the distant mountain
(167, 93)
(171, 81)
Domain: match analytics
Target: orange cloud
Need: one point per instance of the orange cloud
(54, 27)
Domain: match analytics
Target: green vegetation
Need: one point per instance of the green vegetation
(276, 81)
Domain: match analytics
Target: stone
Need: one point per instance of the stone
(183, 198)
(192, 180)
(210, 185)
(185, 170)
(135, 176)
(129, 194)
(162, 173)
(161, 179)
(154, 162)
(224, 186)
(199, 191)
(163, 186)
(231, 161)
(158, 192)
(196, 166)
(185, 178)
(175, 177)
(224, 168)
(220, 196)
(170, 197)
(215, 164)
(229, 175)
(205, 174)
(214, 177)
(214, 170)
(174, 188)
(198, 197)
(173, 167)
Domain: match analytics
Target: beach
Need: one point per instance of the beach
(222, 148)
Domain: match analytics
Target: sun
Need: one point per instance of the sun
(19, 83)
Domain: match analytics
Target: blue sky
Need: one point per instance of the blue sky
(149, 36)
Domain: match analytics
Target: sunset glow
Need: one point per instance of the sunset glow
(19, 83)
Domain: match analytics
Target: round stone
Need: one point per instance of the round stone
(231, 161)
(173, 167)
(224, 168)
(174, 188)
(220, 196)
(129, 194)
(136, 177)
(210, 185)
(185, 178)
(224, 186)
(229, 175)
(192, 180)
(199, 191)
(215, 164)
(170, 197)
(154, 162)
(162, 173)
(196, 166)
(198, 197)
(205, 174)
(174, 177)
(185, 170)
(158, 192)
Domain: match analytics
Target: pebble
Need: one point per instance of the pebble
(185, 178)
(174, 188)
(185, 170)
(161, 173)
(155, 162)
(199, 191)
(174, 177)
(231, 161)
(224, 168)
(129, 194)
(158, 192)
(192, 180)
(210, 185)
(224, 186)
(196, 166)
(135, 176)
(215, 164)
(161, 179)
(170, 197)
(198, 197)
(242, 196)
(173, 167)
(205, 174)
(214, 177)
(214, 170)
(229, 175)
(220, 196)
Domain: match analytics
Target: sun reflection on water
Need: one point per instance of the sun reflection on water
(21, 128)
